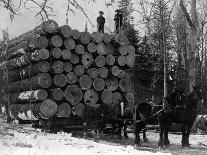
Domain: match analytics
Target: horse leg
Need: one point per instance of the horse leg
(137, 137)
(166, 139)
(144, 135)
(161, 131)
(120, 125)
(125, 130)
(189, 126)
(183, 142)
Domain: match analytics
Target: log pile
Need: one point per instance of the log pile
(54, 71)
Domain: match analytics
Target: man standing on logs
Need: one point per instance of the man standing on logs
(118, 18)
(100, 22)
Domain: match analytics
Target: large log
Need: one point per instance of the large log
(110, 60)
(79, 110)
(112, 83)
(125, 84)
(60, 80)
(67, 66)
(25, 60)
(57, 66)
(87, 60)
(75, 34)
(121, 39)
(90, 97)
(107, 38)
(73, 94)
(28, 71)
(55, 41)
(56, 53)
(103, 72)
(26, 97)
(97, 37)
(101, 49)
(106, 96)
(42, 80)
(85, 37)
(71, 77)
(79, 49)
(85, 82)
(92, 47)
(69, 43)
(130, 97)
(130, 60)
(100, 61)
(93, 72)
(64, 110)
(99, 84)
(74, 59)
(65, 31)
(66, 54)
(117, 97)
(79, 70)
(122, 60)
(57, 94)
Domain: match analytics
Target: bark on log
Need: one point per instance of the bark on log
(112, 83)
(85, 37)
(79, 49)
(66, 54)
(85, 82)
(65, 31)
(57, 94)
(71, 78)
(80, 110)
(100, 61)
(75, 34)
(121, 39)
(79, 70)
(74, 59)
(107, 38)
(64, 110)
(110, 60)
(115, 70)
(103, 72)
(87, 60)
(93, 72)
(92, 48)
(125, 84)
(55, 41)
(67, 66)
(57, 66)
(90, 97)
(29, 71)
(97, 37)
(109, 48)
(130, 60)
(26, 97)
(101, 49)
(117, 97)
(106, 96)
(69, 43)
(122, 60)
(73, 94)
(25, 60)
(130, 97)
(99, 84)
(42, 80)
(60, 80)
(56, 53)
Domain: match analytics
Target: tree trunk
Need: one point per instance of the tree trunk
(64, 110)
(71, 78)
(57, 94)
(100, 61)
(101, 49)
(85, 37)
(75, 34)
(42, 80)
(74, 59)
(66, 54)
(87, 60)
(103, 72)
(112, 83)
(67, 66)
(73, 94)
(97, 37)
(29, 71)
(57, 66)
(56, 53)
(85, 82)
(93, 72)
(69, 43)
(60, 80)
(106, 96)
(26, 97)
(65, 31)
(99, 84)
(107, 38)
(92, 47)
(79, 70)
(90, 97)
(79, 49)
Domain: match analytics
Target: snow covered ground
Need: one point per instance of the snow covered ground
(23, 140)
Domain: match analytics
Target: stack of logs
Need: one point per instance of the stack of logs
(54, 71)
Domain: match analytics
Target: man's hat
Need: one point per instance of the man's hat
(117, 10)
(101, 12)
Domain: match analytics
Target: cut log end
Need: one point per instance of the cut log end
(64, 110)
(44, 80)
(48, 108)
(57, 94)
(56, 53)
(66, 54)
(65, 31)
(60, 80)
(90, 97)
(85, 82)
(73, 94)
